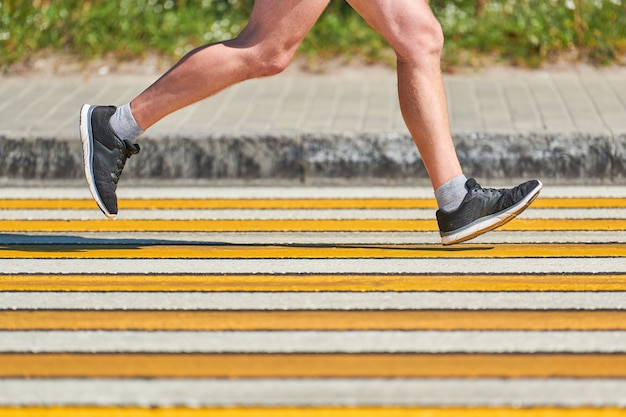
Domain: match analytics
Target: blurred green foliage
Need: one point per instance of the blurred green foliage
(531, 32)
(128, 28)
(523, 32)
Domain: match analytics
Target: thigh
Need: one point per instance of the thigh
(282, 21)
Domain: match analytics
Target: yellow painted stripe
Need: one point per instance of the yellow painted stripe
(310, 412)
(312, 320)
(312, 365)
(369, 225)
(251, 283)
(315, 251)
(321, 203)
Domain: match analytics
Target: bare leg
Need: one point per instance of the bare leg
(414, 33)
(265, 47)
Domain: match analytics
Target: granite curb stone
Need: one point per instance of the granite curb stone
(313, 157)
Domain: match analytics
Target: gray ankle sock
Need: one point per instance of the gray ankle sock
(451, 194)
(124, 124)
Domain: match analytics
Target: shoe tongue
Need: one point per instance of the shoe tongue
(470, 183)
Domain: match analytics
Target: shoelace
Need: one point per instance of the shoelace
(508, 196)
(125, 153)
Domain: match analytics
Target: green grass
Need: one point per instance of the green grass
(520, 32)
(533, 32)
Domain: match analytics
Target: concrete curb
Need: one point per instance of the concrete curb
(576, 158)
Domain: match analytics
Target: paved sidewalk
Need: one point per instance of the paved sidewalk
(567, 125)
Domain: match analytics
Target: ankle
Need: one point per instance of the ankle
(450, 195)
(124, 124)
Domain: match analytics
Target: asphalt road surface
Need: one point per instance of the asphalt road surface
(309, 302)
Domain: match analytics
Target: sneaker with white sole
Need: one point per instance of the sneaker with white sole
(484, 209)
(104, 155)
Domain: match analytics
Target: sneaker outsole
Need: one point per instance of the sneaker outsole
(87, 138)
(488, 223)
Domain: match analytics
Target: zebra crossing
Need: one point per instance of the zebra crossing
(308, 301)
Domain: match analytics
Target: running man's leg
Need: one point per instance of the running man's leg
(416, 36)
(265, 47)
(417, 39)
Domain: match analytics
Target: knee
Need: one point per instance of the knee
(265, 57)
(421, 43)
(272, 61)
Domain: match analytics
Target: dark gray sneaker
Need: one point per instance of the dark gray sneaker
(104, 155)
(484, 209)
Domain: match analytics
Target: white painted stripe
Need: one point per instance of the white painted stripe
(313, 342)
(335, 238)
(224, 192)
(125, 192)
(313, 300)
(314, 392)
(303, 214)
(314, 266)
